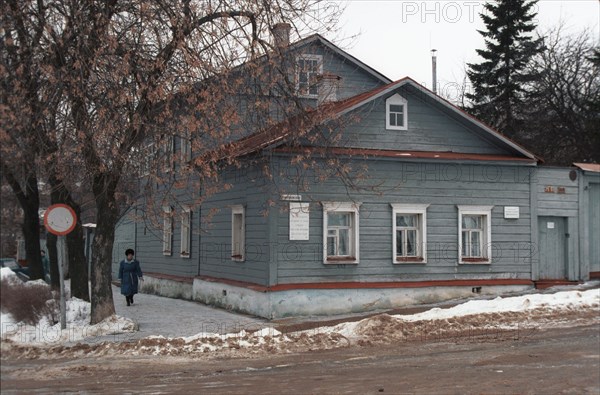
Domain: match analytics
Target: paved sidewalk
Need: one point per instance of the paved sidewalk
(157, 315)
(162, 316)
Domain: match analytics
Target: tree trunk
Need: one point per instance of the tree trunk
(29, 199)
(77, 262)
(31, 233)
(53, 257)
(101, 271)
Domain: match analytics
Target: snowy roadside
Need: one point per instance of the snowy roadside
(498, 319)
(46, 332)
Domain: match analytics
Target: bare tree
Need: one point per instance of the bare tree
(31, 131)
(563, 107)
(128, 76)
(21, 119)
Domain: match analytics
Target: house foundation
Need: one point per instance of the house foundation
(341, 298)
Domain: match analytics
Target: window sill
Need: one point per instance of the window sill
(167, 253)
(474, 261)
(411, 259)
(341, 260)
(185, 255)
(396, 128)
(237, 258)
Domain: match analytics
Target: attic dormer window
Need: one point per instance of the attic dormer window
(308, 68)
(396, 112)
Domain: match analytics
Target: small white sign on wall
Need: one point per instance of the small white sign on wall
(291, 198)
(511, 212)
(299, 221)
(550, 225)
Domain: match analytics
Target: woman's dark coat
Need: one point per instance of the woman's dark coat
(128, 274)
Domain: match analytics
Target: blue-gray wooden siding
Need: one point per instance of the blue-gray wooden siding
(443, 186)
(594, 227)
(354, 80)
(124, 238)
(149, 235)
(249, 189)
(431, 127)
(589, 218)
(553, 203)
(558, 196)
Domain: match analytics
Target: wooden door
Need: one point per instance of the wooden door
(552, 248)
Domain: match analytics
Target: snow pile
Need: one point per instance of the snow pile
(568, 299)
(77, 326)
(241, 343)
(498, 313)
(8, 274)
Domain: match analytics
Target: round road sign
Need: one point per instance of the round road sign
(60, 219)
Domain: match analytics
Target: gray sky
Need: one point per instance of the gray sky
(395, 37)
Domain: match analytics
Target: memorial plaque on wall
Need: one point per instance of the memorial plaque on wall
(299, 221)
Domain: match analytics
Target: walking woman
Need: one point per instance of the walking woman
(129, 272)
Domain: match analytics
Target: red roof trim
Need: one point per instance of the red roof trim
(400, 154)
(591, 167)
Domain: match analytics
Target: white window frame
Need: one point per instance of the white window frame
(420, 210)
(319, 59)
(396, 100)
(238, 242)
(186, 232)
(486, 233)
(149, 156)
(185, 147)
(167, 150)
(167, 230)
(344, 207)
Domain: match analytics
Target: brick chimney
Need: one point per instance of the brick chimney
(328, 87)
(281, 34)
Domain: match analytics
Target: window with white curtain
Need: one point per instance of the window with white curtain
(186, 232)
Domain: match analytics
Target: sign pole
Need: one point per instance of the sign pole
(61, 261)
(60, 220)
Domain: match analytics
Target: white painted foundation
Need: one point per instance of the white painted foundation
(305, 302)
(166, 287)
(312, 302)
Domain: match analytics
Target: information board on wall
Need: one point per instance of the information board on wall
(299, 221)
(511, 212)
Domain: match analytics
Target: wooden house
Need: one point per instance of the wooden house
(437, 206)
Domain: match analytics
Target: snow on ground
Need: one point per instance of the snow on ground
(7, 273)
(46, 332)
(498, 319)
(500, 312)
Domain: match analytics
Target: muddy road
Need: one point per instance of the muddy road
(535, 361)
